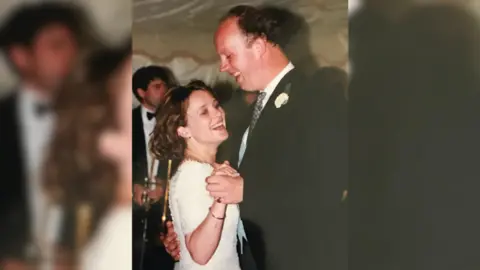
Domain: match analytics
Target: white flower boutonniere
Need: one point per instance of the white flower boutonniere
(282, 99)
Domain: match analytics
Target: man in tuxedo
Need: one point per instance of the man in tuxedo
(149, 87)
(292, 152)
(40, 42)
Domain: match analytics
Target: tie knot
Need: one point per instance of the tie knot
(150, 115)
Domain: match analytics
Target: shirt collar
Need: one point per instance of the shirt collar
(273, 84)
(33, 95)
(144, 114)
(29, 99)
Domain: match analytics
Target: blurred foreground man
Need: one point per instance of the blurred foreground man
(40, 42)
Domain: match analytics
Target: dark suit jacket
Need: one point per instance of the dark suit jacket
(155, 254)
(295, 170)
(14, 228)
(139, 152)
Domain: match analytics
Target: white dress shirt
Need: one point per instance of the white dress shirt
(148, 126)
(35, 135)
(269, 91)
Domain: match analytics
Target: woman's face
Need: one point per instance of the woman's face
(205, 120)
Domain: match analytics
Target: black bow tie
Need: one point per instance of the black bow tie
(150, 115)
(41, 109)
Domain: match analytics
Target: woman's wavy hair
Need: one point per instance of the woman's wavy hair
(76, 172)
(165, 142)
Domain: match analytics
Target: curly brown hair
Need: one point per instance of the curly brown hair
(165, 142)
(76, 172)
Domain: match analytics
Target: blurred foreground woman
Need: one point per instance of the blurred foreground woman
(89, 169)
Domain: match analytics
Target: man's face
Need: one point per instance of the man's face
(236, 57)
(50, 58)
(154, 94)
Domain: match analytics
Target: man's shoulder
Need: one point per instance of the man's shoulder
(7, 104)
(137, 115)
(8, 97)
(8, 119)
(136, 110)
(326, 86)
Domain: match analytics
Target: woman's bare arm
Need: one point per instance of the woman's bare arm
(203, 241)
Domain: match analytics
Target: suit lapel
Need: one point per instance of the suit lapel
(269, 111)
(285, 85)
(13, 199)
(11, 143)
(139, 150)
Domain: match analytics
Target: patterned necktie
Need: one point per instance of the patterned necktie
(256, 111)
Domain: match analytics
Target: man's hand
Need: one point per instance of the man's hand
(154, 195)
(170, 242)
(158, 192)
(225, 169)
(137, 193)
(225, 186)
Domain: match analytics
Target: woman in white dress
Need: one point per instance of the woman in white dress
(191, 126)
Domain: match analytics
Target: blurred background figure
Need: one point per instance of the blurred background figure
(42, 42)
(89, 171)
(414, 129)
(149, 85)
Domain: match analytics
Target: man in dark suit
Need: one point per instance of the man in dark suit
(40, 41)
(149, 87)
(292, 152)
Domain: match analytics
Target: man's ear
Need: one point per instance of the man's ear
(19, 57)
(184, 132)
(141, 92)
(259, 46)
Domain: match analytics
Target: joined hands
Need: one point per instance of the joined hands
(225, 184)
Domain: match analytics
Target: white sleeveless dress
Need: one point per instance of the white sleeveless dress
(189, 205)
